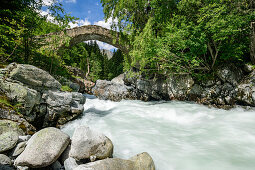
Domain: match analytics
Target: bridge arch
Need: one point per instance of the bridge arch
(92, 32)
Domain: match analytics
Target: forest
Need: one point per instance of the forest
(20, 24)
(166, 36)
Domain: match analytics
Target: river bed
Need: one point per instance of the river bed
(178, 135)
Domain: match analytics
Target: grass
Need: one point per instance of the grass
(6, 104)
(66, 88)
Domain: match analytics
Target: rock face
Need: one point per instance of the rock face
(9, 135)
(141, 161)
(43, 148)
(87, 143)
(37, 92)
(230, 74)
(33, 77)
(10, 114)
(246, 90)
(108, 90)
(61, 103)
(231, 85)
(122, 87)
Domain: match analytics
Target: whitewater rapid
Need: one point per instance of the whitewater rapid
(178, 135)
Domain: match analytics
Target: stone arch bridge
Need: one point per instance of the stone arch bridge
(86, 33)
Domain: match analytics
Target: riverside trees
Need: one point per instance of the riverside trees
(186, 36)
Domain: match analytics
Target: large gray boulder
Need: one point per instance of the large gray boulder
(23, 95)
(110, 90)
(9, 135)
(32, 76)
(43, 148)
(63, 106)
(9, 114)
(245, 91)
(37, 93)
(141, 161)
(119, 79)
(87, 143)
(230, 73)
(108, 164)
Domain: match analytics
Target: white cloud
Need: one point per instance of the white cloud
(70, 1)
(50, 2)
(105, 24)
(47, 14)
(47, 2)
(97, 4)
(80, 23)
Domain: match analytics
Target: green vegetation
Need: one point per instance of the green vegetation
(174, 36)
(66, 88)
(20, 22)
(6, 104)
(186, 36)
(92, 62)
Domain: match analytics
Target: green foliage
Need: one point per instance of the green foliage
(20, 23)
(194, 36)
(66, 88)
(95, 65)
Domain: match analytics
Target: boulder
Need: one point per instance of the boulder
(108, 90)
(32, 76)
(245, 91)
(87, 143)
(70, 164)
(9, 135)
(108, 164)
(179, 85)
(85, 85)
(23, 95)
(141, 161)
(10, 114)
(18, 149)
(119, 79)
(46, 146)
(230, 73)
(5, 160)
(63, 106)
(37, 93)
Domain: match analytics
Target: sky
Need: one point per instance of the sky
(89, 12)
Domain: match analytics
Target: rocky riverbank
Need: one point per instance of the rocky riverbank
(52, 149)
(230, 86)
(40, 101)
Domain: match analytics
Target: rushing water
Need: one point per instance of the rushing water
(178, 135)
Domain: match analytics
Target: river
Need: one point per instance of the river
(178, 135)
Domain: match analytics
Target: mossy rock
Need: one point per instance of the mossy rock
(9, 134)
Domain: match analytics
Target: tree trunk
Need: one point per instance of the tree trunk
(252, 45)
(87, 74)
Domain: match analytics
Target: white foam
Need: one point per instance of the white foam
(178, 135)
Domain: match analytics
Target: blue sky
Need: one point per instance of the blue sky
(89, 12)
